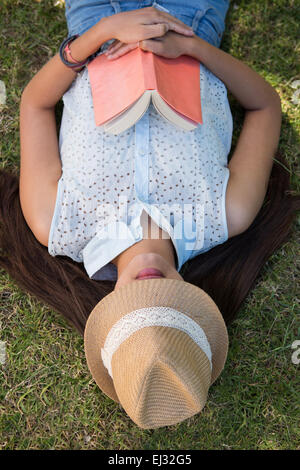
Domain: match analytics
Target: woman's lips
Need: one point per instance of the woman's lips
(149, 273)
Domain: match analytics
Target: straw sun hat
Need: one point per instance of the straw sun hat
(155, 346)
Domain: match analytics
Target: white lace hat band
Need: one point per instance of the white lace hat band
(153, 316)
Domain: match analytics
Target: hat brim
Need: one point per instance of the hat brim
(178, 294)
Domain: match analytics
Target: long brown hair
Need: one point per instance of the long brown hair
(227, 272)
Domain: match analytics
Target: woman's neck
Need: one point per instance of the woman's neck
(155, 240)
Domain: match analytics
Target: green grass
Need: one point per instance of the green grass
(48, 399)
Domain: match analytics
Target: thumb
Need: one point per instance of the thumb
(147, 44)
(143, 44)
(151, 45)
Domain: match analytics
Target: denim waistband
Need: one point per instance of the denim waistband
(206, 17)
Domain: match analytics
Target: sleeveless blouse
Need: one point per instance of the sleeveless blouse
(178, 177)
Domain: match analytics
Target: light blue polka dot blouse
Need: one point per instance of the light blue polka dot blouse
(178, 177)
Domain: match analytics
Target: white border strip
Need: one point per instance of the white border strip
(153, 316)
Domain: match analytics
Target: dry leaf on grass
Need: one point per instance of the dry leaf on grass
(2, 93)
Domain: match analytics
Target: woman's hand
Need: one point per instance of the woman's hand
(136, 25)
(171, 45)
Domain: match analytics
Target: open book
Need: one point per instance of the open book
(122, 89)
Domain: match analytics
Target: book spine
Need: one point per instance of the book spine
(148, 70)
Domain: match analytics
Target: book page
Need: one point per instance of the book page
(169, 113)
(128, 118)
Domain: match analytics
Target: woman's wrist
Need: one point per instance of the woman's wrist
(195, 47)
(91, 40)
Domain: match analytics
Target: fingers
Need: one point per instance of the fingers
(121, 50)
(161, 28)
(181, 29)
(113, 47)
(154, 30)
(173, 23)
(118, 48)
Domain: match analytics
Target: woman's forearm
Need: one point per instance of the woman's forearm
(47, 87)
(247, 86)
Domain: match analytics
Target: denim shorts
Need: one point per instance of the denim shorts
(206, 17)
